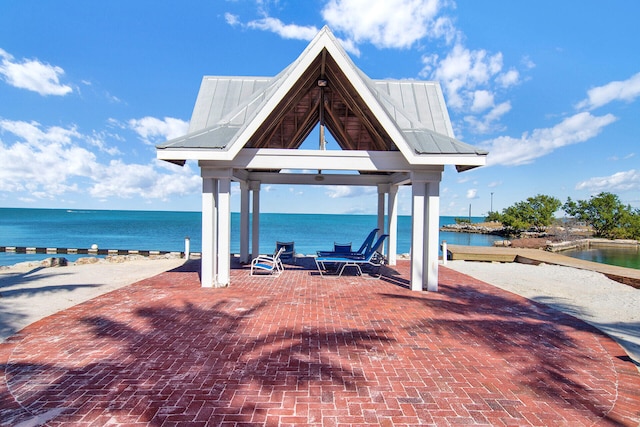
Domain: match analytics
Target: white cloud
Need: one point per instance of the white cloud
(462, 71)
(340, 191)
(620, 181)
(296, 191)
(32, 133)
(386, 23)
(627, 90)
(45, 163)
(472, 80)
(508, 79)
(498, 111)
(153, 130)
(98, 140)
(32, 75)
(286, 31)
(443, 28)
(232, 19)
(519, 151)
(487, 122)
(472, 193)
(626, 157)
(528, 63)
(482, 99)
(118, 179)
(42, 161)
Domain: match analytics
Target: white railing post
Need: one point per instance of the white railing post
(444, 252)
(187, 247)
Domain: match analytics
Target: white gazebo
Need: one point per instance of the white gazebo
(391, 132)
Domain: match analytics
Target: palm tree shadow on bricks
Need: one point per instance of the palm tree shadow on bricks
(189, 364)
(486, 329)
(290, 350)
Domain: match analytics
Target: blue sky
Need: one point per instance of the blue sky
(87, 89)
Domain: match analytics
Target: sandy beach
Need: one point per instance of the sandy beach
(29, 293)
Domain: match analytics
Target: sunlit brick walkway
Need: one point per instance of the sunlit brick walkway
(302, 350)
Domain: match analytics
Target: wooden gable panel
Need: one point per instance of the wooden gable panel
(336, 105)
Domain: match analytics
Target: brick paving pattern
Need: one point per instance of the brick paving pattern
(303, 350)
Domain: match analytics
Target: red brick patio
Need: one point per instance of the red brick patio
(302, 350)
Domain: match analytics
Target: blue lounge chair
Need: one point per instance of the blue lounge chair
(268, 264)
(339, 252)
(371, 257)
(289, 253)
(342, 248)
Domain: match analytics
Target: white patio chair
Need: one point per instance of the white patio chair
(268, 264)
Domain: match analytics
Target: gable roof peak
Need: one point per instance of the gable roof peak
(233, 113)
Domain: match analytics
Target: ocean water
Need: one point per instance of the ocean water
(166, 231)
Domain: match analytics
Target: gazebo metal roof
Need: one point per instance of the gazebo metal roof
(330, 90)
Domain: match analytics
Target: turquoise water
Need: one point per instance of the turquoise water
(166, 231)
(629, 258)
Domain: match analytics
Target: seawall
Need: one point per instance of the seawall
(592, 243)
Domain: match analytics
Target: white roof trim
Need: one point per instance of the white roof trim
(284, 83)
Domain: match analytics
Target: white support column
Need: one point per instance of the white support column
(418, 191)
(425, 193)
(224, 232)
(255, 219)
(392, 227)
(244, 222)
(382, 189)
(209, 188)
(432, 234)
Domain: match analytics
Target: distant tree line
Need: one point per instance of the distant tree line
(605, 213)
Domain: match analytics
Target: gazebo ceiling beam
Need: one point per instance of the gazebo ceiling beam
(345, 160)
(319, 179)
(337, 128)
(323, 64)
(336, 80)
(293, 178)
(306, 84)
(305, 126)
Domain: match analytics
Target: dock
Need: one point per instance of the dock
(628, 276)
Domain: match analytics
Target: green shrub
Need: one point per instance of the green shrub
(607, 215)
